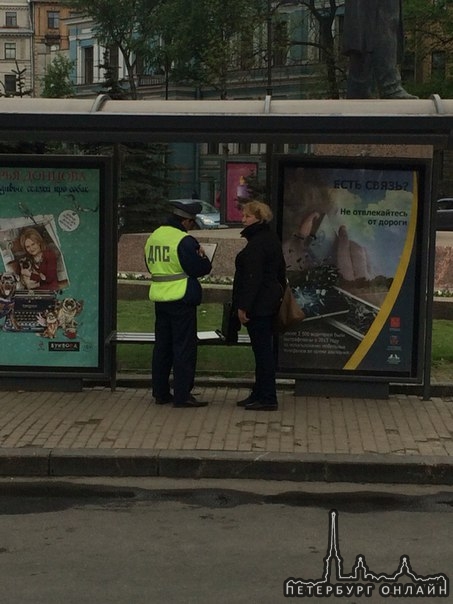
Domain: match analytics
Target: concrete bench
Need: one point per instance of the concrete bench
(214, 337)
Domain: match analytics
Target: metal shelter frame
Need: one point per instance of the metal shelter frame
(426, 122)
(421, 122)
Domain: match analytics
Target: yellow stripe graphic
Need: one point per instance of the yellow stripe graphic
(382, 316)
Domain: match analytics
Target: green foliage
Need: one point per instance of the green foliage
(56, 81)
(143, 186)
(126, 24)
(111, 85)
(429, 31)
(20, 81)
(143, 173)
(201, 38)
(256, 188)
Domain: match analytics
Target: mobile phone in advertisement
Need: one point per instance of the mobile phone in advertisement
(322, 246)
(320, 302)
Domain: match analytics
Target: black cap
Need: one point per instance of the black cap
(186, 210)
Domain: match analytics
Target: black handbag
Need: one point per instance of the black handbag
(230, 324)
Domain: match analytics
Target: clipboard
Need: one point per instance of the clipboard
(209, 250)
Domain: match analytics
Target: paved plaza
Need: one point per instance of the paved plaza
(308, 434)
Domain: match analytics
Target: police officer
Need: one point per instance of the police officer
(175, 261)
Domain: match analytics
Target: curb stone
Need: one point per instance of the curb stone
(304, 467)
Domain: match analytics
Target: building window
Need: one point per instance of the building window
(213, 148)
(438, 64)
(10, 84)
(88, 60)
(10, 50)
(244, 148)
(53, 19)
(113, 59)
(11, 19)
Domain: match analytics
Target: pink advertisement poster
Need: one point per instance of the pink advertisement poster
(236, 188)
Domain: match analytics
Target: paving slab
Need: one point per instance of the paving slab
(97, 432)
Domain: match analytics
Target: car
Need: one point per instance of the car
(209, 217)
(444, 214)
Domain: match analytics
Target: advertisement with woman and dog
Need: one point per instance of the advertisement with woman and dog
(50, 264)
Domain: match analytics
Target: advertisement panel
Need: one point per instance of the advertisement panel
(52, 273)
(236, 191)
(350, 233)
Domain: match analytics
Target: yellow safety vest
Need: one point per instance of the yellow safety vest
(168, 280)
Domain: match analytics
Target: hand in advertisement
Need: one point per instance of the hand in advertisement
(318, 241)
(296, 248)
(352, 259)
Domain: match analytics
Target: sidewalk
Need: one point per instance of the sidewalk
(97, 432)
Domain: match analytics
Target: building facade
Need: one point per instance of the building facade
(288, 64)
(50, 36)
(16, 57)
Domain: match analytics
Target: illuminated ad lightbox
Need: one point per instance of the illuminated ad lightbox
(349, 232)
(52, 233)
(236, 190)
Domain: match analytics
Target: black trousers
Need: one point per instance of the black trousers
(261, 332)
(175, 347)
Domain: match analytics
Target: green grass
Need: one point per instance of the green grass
(138, 315)
(442, 348)
(229, 361)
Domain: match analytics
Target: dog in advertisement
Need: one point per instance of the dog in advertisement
(8, 285)
(67, 310)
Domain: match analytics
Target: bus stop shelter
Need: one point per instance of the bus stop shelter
(425, 122)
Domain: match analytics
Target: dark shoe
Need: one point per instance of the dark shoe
(191, 402)
(261, 406)
(164, 400)
(245, 401)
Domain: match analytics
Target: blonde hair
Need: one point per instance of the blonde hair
(35, 236)
(261, 211)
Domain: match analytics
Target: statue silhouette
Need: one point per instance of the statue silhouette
(373, 40)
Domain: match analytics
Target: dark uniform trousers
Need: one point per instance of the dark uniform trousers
(175, 346)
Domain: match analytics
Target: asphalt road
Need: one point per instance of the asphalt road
(163, 541)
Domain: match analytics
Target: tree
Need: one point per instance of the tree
(429, 41)
(324, 13)
(56, 82)
(144, 186)
(111, 85)
(199, 37)
(121, 23)
(141, 174)
(20, 80)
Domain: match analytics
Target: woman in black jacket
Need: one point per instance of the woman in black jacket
(258, 286)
